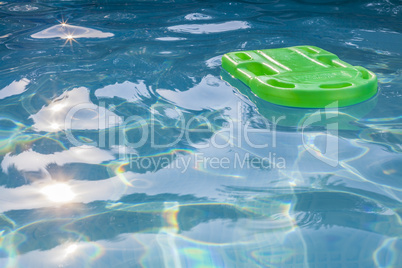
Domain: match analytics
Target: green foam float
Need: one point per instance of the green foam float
(302, 76)
(302, 82)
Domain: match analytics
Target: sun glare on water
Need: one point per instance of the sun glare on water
(60, 193)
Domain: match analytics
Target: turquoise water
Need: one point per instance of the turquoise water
(125, 144)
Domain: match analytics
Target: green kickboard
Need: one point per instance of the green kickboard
(301, 76)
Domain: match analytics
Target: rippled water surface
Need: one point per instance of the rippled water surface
(124, 144)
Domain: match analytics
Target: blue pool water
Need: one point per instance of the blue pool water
(123, 143)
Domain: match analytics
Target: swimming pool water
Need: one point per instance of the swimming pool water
(123, 143)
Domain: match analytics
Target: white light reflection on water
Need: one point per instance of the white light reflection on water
(127, 90)
(167, 235)
(58, 192)
(73, 110)
(71, 249)
(210, 28)
(33, 161)
(67, 254)
(65, 189)
(66, 31)
(15, 88)
(204, 91)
